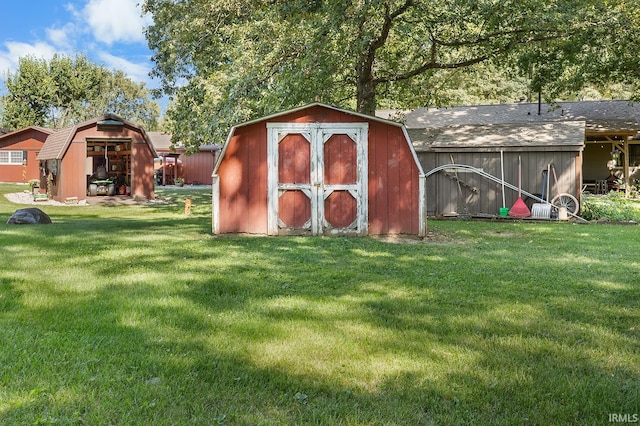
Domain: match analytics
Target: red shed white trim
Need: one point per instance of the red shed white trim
(70, 156)
(18, 152)
(318, 170)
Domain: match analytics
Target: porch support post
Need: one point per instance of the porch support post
(627, 178)
(624, 148)
(164, 170)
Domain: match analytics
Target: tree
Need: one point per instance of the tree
(68, 90)
(483, 83)
(29, 95)
(600, 56)
(128, 99)
(238, 59)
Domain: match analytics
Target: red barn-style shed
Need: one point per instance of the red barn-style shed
(72, 157)
(195, 168)
(318, 170)
(18, 152)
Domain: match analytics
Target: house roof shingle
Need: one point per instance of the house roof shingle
(162, 142)
(598, 115)
(569, 135)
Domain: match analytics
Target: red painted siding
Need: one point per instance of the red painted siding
(294, 167)
(340, 160)
(294, 160)
(197, 168)
(393, 176)
(340, 168)
(142, 183)
(30, 140)
(340, 209)
(294, 209)
(71, 180)
(393, 173)
(243, 186)
(393, 182)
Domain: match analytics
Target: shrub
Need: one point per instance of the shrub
(611, 207)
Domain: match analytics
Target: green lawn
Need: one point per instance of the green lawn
(136, 315)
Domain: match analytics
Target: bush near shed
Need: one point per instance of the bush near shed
(613, 207)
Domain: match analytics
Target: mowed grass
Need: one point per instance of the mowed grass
(138, 315)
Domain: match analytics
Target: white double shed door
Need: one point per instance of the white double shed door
(317, 178)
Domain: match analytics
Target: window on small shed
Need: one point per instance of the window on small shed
(12, 157)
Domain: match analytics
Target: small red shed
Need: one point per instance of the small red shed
(108, 150)
(318, 170)
(194, 168)
(18, 152)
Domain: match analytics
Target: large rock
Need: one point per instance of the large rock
(30, 216)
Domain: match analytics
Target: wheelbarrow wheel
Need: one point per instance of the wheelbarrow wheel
(568, 201)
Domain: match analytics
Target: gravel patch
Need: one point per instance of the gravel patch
(27, 198)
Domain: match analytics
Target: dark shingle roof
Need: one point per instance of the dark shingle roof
(598, 115)
(569, 135)
(55, 145)
(160, 140)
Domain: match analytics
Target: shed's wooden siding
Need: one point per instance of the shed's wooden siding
(393, 182)
(71, 180)
(393, 175)
(478, 195)
(243, 186)
(142, 184)
(31, 141)
(196, 168)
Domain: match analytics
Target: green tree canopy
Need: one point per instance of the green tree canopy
(601, 53)
(67, 90)
(238, 59)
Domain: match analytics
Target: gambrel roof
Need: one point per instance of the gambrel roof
(57, 143)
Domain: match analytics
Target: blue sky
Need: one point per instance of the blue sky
(109, 32)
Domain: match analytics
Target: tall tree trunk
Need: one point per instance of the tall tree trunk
(366, 95)
(367, 84)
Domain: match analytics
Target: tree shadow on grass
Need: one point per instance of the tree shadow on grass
(529, 351)
(249, 330)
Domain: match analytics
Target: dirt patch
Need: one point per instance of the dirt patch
(499, 233)
(399, 239)
(431, 237)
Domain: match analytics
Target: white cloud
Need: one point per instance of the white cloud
(71, 8)
(62, 37)
(10, 57)
(136, 72)
(116, 20)
(98, 28)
